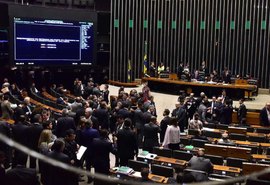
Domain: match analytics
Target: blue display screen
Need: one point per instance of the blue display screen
(53, 42)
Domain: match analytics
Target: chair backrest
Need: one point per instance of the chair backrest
(198, 175)
(263, 130)
(193, 132)
(215, 159)
(222, 126)
(162, 152)
(250, 129)
(254, 149)
(177, 154)
(240, 137)
(235, 162)
(212, 134)
(162, 170)
(137, 165)
(198, 143)
(185, 141)
(210, 125)
(258, 139)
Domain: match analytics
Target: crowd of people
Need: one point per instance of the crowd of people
(130, 118)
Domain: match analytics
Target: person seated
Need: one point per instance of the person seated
(161, 68)
(265, 115)
(200, 163)
(195, 123)
(225, 139)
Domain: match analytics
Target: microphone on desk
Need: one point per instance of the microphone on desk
(146, 75)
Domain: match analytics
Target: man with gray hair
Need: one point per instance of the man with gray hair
(93, 119)
(64, 123)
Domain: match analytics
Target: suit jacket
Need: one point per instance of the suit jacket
(64, 124)
(125, 113)
(19, 133)
(242, 112)
(102, 148)
(138, 119)
(163, 126)
(201, 164)
(55, 175)
(151, 135)
(126, 143)
(86, 139)
(7, 112)
(33, 133)
(22, 176)
(103, 117)
(264, 117)
(226, 115)
(4, 129)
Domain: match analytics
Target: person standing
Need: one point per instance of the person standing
(164, 124)
(151, 131)
(242, 112)
(126, 143)
(102, 147)
(172, 135)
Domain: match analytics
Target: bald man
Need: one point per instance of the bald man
(200, 163)
(265, 115)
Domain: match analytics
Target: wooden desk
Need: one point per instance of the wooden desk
(237, 130)
(256, 134)
(9, 121)
(249, 168)
(252, 118)
(260, 156)
(48, 96)
(172, 161)
(137, 175)
(227, 169)
(158, 178)
(227, 151)
(235, 91)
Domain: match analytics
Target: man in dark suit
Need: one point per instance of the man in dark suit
(5, 130)
(139, 121)
(164, 123)
(102, 147)
(242, 112)
(226, 113)
(56, 175)
(81, 112)
(202, 164)
(124, 111)
(151, 131)
(64, 123)
(33, 134)
(126, 143)
(7, 112)
(20, 175)
(181, 114)
(265, 115)
(102, 114)
(19, 131)
(86, 138)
